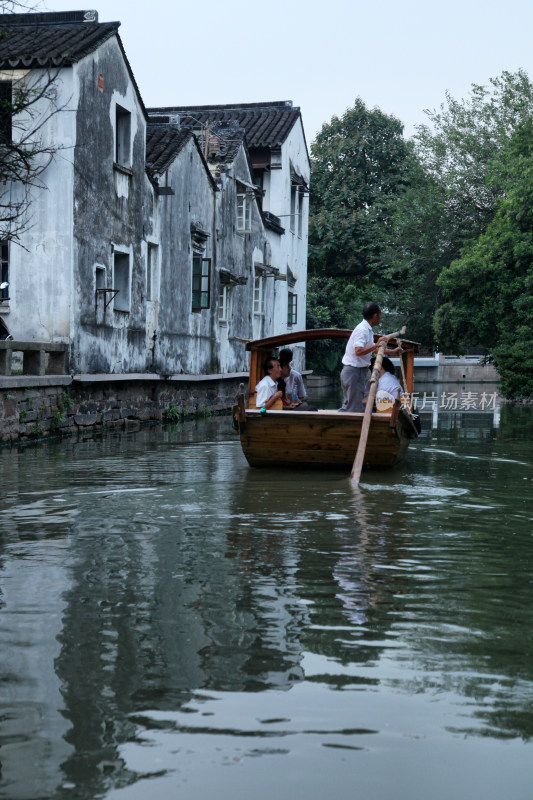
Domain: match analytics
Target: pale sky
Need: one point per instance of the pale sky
(399, 56)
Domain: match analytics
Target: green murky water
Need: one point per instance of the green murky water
(176, 625)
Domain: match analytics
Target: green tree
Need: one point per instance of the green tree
(359, 166)
(418, 248)
(331, 303)
(338, 303)
(396, 215)
(455, 184)
(459, 148)
(357, 170)
(489, 290)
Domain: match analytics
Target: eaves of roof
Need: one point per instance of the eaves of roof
(274, 223)
(55, 46)
(229, 141)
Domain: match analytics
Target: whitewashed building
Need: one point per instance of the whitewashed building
(275, 139)
(158, 241)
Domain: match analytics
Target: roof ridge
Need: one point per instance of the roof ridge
(50, 18)
(271, 104)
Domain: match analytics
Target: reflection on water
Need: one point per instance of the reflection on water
(166, 612)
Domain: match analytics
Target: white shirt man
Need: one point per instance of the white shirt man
(356, 359)
(267, 388)
(362, 338)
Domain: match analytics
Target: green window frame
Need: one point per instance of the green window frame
(201, 283)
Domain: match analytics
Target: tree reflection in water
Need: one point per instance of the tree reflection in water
(178, 570)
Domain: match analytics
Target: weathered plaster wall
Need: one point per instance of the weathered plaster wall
(186, 342)
(94, 210)
(238, 252)
(112, 214)
(40, 271)
(295, 150)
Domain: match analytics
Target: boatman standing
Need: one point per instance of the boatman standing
(356, 359)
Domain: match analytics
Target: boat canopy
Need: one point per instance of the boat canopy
(294, 337)
(261, 351)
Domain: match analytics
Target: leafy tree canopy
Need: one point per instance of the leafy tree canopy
(357, 169)
(459, 148)
(489, 290)
(389, 217)
(455, 184)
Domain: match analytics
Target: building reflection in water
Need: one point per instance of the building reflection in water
(148, 569)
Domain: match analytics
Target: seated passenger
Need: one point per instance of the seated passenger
(290, 396)
(389, 387)
(267, 388)
(289, 388)
(294, 384)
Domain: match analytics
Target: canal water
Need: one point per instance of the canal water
(174, 624)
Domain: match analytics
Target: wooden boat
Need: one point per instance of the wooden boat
(292, 438)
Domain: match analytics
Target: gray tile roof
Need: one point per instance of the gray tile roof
(225, 139)
(266, 124)
(163, 143)
(37, 44)
(55, 40)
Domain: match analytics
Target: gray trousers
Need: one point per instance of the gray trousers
(353, 382)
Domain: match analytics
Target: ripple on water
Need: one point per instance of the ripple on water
(200, 628)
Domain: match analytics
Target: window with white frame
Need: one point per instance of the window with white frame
(224, 303)
(4, 270)
(122, 137)
(121, 281)
(201, 282)
(292, 309)
(244, 208)
(259, 295)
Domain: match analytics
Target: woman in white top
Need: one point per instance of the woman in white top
(389, 387)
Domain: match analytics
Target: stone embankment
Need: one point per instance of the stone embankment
(32, 407)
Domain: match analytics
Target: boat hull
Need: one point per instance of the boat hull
(323, 438)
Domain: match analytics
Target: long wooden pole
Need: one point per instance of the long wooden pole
(361, 448)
